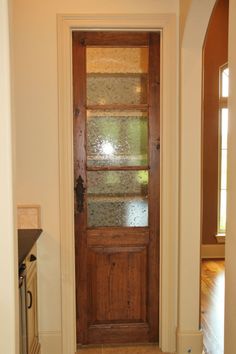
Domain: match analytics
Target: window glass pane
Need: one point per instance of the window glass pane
(223, 177)
(225, 83)
(117, 138)
(223, 197)
(224, 128)
(117, 198)
(223, 151)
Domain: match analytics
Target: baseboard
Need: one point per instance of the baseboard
(189, 342)
(213, 251)
(51, 342)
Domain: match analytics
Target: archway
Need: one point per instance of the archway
(189, 334)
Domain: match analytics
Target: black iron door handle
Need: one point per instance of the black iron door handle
(79, 192)
(31, 299)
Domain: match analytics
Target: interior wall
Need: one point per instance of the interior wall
(8, 244)
(36, 111)
(184, 6)
(215, 54)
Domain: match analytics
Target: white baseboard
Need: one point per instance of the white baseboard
(51, 342)
(189, 342)
(213, 251)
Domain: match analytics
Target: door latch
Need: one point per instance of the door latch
(79, 192)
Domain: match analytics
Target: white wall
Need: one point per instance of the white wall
(36, 102)
(8, 251)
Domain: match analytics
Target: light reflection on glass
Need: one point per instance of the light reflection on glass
(116, 138)
(107, 148)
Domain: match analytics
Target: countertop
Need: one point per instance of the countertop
(26, 240)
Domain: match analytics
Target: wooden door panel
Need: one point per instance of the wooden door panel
(118, 236)
(118, 333)
(123, 39)
(117, 284)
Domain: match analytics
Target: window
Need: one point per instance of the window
(223, 146)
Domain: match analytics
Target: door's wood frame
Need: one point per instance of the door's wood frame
(169, 163)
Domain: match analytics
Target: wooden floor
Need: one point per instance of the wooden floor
(212, 305)
(124, 349)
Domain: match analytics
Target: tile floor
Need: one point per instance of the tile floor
(126, 349)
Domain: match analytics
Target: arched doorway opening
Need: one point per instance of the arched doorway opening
(214, 176)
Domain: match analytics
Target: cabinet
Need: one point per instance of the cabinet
(32, 305)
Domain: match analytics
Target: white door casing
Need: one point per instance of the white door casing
(169, 165)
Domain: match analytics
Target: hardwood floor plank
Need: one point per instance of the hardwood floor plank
(121, 349)
(212, 305)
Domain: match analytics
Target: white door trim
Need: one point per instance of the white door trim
(169, 163)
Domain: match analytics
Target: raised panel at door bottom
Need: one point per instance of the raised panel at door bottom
(117, 285)
(117, 291)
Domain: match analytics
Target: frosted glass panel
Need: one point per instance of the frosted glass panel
(117, 75)
(105, 89)
(117, 138)
(117, 198)
(117, 60)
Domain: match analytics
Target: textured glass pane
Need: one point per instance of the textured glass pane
(117, 75)
(224, 128)
(117, 138)
(117, 60)
(223, 198)
(116, 89)
(225, 82)
(117, 198)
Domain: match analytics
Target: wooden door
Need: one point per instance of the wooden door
(116, 90)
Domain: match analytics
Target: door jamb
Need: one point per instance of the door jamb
(169, 165)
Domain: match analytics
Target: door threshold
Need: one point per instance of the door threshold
(141, 348)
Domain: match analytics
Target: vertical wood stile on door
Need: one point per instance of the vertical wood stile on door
(79, 97)
(154, 184)
(117, 185)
